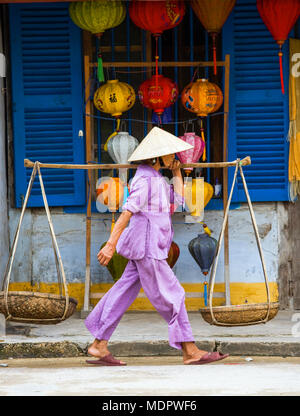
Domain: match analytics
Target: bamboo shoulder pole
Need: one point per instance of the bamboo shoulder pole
(29, 164)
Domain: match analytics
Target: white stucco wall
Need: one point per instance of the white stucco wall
(3, 184)
(34, 256)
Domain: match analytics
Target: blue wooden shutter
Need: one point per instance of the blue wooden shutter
(47, 100)
(258, 114)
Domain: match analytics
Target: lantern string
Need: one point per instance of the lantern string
(280, 54)
(214, 53)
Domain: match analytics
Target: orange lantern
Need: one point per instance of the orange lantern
(213, 14)
(110, 192)
(202, 97)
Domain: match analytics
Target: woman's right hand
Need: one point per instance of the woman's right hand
(105, 254)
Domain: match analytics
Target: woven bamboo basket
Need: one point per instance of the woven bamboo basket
(240, 314)
(37, 308)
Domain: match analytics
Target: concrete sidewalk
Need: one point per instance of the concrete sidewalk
(146, 334)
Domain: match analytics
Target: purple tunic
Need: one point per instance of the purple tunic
(150, 231)
(146, 242)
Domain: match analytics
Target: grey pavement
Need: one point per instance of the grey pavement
(146, 334)
(151, 376)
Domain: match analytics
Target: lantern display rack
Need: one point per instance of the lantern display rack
(89, 67)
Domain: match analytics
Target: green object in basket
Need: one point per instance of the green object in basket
(116, 265)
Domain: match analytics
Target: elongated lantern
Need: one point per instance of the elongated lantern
(213, 14)
(279, 16)
(194, 191)
(202, 249)
(97, 16)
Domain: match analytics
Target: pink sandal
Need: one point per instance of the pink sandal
(209, 357)
(108, 360)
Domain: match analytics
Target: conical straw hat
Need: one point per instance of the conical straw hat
(157, 143)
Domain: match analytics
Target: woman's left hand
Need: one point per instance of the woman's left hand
(175, 166)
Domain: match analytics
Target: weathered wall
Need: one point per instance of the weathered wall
(3, 185)
(34, 256)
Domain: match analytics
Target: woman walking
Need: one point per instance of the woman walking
(146, 243)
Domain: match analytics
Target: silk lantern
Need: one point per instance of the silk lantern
(212, 15)
(279, 16)
(120, 148)
(110, 192)
(114, 97)
(202, 97)
(97, 16)
(191, 155)
(158, 93)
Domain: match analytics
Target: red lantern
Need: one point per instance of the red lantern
(173, 254)
(156, 16)
(158, 93)
(279, 16)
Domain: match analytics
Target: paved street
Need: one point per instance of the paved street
(150, 376)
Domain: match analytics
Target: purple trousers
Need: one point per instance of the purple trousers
(162, 289)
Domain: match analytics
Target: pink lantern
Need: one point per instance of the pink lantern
(194, 154)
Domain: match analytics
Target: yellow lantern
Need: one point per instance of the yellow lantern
(194, 191)
(114, 97)
(202, 97)
(97, 16)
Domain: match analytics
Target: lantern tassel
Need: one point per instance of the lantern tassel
(281, 71)
(112, 222)
(100, 72)
(203, 138)
(113, 134)
(205, 293)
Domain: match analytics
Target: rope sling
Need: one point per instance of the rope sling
(36, 307)
(247, 314)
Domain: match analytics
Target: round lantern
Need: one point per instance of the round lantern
(158, 93)
(202, 97)
(115, 98)
(156, 16)
(120, 148)
(110, 192)
(213, 14)
(191, 155)
(97, 16)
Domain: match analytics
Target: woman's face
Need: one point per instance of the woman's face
(168, 159)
